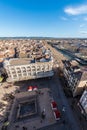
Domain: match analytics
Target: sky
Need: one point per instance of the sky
(43, 18)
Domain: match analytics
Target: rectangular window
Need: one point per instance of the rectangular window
(38, 68)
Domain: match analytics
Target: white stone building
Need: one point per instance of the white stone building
(76, 77)
(19, 69)
(83, 103)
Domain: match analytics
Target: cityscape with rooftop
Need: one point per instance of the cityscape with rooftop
(43, 65)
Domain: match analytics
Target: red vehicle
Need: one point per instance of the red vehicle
(35, 88)
(57, 114)
(31, 88)
(54, 105)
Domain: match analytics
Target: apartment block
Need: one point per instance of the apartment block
(83, 103)
(75, 76)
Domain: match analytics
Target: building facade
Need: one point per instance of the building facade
(75, 77)
(19, 70)
(83, 103)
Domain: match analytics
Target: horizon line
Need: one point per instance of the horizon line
(41, 37)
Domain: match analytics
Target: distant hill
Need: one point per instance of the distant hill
(40, 38)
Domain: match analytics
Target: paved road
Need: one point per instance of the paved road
(68, 121)
(57, 55)
(68, 114)
(58, 95)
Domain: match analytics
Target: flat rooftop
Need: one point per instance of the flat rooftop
(19, 61)
(24, 61)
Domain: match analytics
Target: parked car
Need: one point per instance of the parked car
(31, 88)
(57, 114)
(54, 105)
